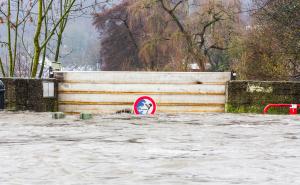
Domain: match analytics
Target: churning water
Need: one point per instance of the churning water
(161, 150)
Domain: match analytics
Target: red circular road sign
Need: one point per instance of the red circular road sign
(144, 105)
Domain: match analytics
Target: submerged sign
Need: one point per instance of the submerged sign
(144, 105)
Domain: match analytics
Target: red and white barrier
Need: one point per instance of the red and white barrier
(292, 107)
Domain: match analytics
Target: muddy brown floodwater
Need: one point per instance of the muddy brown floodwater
(160, 150)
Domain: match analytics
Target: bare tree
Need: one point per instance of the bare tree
(49, 19)
(169, 36)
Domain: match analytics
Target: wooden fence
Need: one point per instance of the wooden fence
(174, 92)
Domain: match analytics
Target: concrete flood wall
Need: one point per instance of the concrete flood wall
(253, 96)
(28, 94)
(109, 92)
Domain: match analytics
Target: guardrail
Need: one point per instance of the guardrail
(293, 108)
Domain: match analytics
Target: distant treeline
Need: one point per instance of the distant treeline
(167, 35)
(156, 35)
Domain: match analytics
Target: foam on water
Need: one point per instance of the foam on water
(163, 149)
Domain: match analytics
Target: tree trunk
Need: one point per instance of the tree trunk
(58, 44)
(2, 68)
(10, 55)
(37, 47)
(45, 48)
(16, 37)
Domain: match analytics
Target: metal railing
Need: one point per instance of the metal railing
(293, 108)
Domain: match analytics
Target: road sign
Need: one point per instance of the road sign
(144, 105)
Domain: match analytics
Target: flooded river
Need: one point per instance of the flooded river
(198, 149)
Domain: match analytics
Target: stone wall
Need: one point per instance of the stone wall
(27, 94)
(253, 96)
